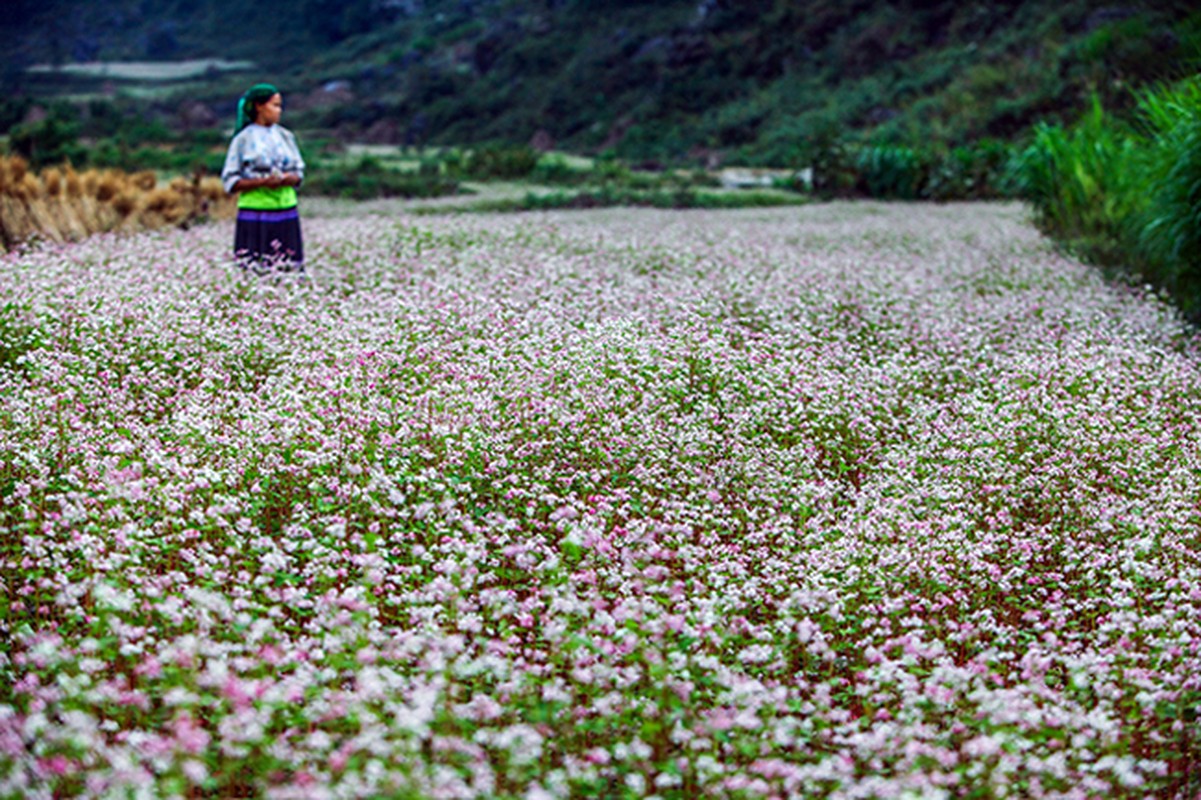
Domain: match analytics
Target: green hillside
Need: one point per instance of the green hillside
(753, 81)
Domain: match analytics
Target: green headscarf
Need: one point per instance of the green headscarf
(255, 94)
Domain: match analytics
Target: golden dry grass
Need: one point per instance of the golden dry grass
(52, 181)
(74, 182)
(61, 204)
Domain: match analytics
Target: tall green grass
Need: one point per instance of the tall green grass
(1126, 193)
(1085, 183)
(1169, 227)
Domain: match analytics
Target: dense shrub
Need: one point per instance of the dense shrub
(845, 168)
(557, 170)
(51, 140)
(892, 172)
(970, 173)
(498, 162)
(368, 179)
(13, 110)
(832, 161)
(118, 154)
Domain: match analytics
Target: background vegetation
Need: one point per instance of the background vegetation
(1126, 193)
(752, 82)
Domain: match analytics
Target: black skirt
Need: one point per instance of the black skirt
(268, 241)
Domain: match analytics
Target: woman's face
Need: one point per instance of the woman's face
(271, 110)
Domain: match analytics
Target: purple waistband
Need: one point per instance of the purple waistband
(250, 215)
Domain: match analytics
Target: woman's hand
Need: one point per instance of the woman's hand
(282, 179)
(270, 182)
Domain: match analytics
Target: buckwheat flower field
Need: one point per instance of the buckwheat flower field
(848, 501)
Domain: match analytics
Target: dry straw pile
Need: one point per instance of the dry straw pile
(61, 204)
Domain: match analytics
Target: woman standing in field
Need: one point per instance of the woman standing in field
(264, 167)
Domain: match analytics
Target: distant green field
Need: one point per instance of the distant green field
(410, 158)
(145, 70)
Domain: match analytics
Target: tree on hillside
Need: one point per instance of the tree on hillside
(51, 140)
(334, 20)
(18, 13)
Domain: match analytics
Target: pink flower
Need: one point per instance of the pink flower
(57, 765)
(190, 737)
(150, 667)
(236, 693)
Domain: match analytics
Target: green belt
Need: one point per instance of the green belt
(268, 199)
